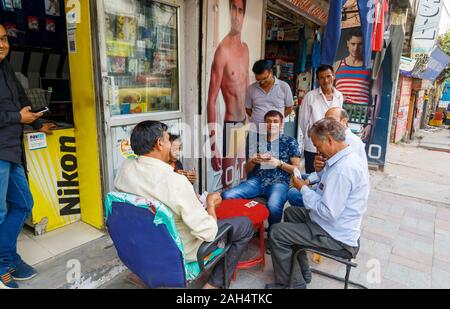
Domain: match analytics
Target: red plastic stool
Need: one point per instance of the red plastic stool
(257, 214)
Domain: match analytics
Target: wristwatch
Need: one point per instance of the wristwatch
(281, 164)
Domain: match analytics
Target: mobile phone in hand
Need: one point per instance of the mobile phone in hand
(40, 110)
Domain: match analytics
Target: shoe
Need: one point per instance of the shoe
(23, 272)
(6, 282)
(307, 275)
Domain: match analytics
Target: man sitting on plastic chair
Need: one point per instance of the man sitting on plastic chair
(331, 219)
(150, 176)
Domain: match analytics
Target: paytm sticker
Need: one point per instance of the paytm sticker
(37, 141)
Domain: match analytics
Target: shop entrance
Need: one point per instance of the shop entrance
(56, 164)
(291, 40)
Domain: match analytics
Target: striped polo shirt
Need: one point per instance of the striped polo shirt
(354, 83)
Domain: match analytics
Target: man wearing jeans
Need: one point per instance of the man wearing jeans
(333, 211)
(15, 196)
(269, 168)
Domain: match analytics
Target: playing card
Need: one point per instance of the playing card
(251, 204)
(297, 174)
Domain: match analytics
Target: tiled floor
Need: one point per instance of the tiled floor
(36, 249)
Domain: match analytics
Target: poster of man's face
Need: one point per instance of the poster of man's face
(52, 7)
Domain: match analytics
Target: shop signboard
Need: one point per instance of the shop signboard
(53, 177)
(426, 28)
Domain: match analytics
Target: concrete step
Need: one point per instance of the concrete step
(86, 267)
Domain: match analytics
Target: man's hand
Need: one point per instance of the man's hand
(191, 176)
(27, 117)
(47, 128)
(319, 163)
(299, 183)
(256, 159)
(214, 200)
(365, 135)
(216, 160)
(273, 162)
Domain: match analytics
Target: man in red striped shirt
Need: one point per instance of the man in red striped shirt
(353, 80)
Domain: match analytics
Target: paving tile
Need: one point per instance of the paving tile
(427, 239)
(410, 277)
(410, 222)
(410, 263)
(413, 255)
(443, 214)
(385, 239)
(440, 279)
(440, 264)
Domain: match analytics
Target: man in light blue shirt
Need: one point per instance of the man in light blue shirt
(356, 144)
(333, 211)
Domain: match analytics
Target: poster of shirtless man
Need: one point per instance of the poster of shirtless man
(230, 76)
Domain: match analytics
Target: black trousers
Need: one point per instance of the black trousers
(242, 234)
(298, 229)
(309, 162)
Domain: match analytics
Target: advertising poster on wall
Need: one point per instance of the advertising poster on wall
(234, 42)
(367, 89)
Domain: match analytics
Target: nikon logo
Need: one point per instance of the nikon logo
(68, 189)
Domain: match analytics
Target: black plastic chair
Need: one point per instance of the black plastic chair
(341, 256)
(150, 252)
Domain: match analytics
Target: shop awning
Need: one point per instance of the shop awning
(314, 10)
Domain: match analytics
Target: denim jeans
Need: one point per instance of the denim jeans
(16, 203)
(295, 198)
(275, 194)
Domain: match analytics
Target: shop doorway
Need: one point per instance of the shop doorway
(56, 164)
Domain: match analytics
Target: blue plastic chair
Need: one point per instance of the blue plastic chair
(150, 252)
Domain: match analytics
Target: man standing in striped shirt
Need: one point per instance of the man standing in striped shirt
(353, 80)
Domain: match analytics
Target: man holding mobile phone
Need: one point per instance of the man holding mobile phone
(16, 201)
(270, 168)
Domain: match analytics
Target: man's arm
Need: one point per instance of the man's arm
(217, 70)
(332, 202)
(23, 98)
(288, 101)
(304, 115)
(288, 111)
(9, 118)
(202, 224)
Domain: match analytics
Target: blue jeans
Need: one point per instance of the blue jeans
(275, 194)
(16, 203)
(295, 198)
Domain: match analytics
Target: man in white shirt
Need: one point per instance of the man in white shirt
(333, 212)
(151, 176)
(315, 104)
(339, 114)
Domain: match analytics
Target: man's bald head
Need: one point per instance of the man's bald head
(339, 114)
